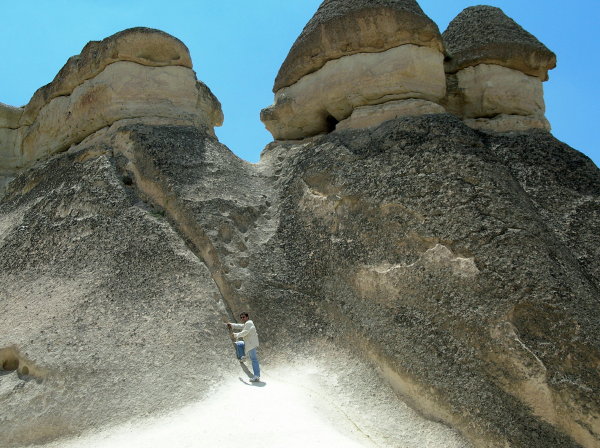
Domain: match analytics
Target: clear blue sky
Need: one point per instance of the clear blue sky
(237, 48)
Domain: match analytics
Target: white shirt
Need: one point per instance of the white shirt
(248, 333)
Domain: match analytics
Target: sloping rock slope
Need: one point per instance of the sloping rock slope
(462, 266)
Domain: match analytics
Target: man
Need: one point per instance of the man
(248, 345)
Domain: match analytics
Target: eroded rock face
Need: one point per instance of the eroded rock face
(342, 28)
(485, 35)
(138, 73)
(495, 70)
(462, 266)
(10, 157)
(319, 100)
(355, 54)
(123, 90)
(447, 256)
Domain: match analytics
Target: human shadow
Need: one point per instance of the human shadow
(249, 374)
(253, 384)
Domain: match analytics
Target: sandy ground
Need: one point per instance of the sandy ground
(309, 404)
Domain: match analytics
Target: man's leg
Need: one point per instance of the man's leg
(239, 349)
(254, 358)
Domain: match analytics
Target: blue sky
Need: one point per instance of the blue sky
(238, 46)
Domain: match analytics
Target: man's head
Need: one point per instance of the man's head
(244, 317)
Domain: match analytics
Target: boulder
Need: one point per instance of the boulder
(342, 28)
(317, 102)
(485, 35)
(353, 54)
(139, 73)
(145, 46)
(495, 71)
(122, 90)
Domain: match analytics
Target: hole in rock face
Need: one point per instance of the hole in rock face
(11, 360)
(10, 364)
(331, 123)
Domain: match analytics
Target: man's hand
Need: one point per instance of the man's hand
(228, 325)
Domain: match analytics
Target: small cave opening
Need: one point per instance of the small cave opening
(12, 361)
(331, 122)
(9, 360)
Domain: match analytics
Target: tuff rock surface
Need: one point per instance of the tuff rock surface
(458, 268)
(354, 54)
(495, 71)
(139, 73)
(484, 34)
(345, 27)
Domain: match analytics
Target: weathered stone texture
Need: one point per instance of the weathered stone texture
(369, 116)
(484, 34)
(464, 266)
(145, 46)
(341, 28)
(315, 103)
(429, 248)
(495, 71)
(102, 293)
(353, 54)
(123, 90)
(137, 73)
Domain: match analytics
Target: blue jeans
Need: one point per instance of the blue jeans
(240, 351)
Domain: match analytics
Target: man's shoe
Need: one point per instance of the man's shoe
(255, 379)
(242, 359)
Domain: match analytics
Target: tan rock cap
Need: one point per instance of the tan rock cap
(145, 46)
(344, 27)
(484, 34)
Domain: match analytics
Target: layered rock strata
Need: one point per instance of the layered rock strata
(139, 73)
(495, 72)
(353, 55)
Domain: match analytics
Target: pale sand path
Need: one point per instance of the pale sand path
(306, 404)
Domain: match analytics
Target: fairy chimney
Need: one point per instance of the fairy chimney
(355, 64)
(138, 74)
(495, 71)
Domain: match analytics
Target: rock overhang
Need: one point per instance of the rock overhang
(144, 46)
(485, 34)
(344, 28)
(138, 73)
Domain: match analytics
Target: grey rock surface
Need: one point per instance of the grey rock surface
(113, 315)
(463, 267)
(484, 34)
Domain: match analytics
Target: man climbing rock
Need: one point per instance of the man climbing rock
(248, 345)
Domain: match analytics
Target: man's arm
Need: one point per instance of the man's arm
(246, 328)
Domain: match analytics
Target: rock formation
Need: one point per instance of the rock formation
(10, 157)
(139, 73)
(355, 64)
(461, 266)
(495, 71)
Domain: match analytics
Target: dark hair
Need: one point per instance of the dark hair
(244, 314)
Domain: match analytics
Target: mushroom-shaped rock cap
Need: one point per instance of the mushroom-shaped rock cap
(344, 27)
(484, 34)
(145, 46)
